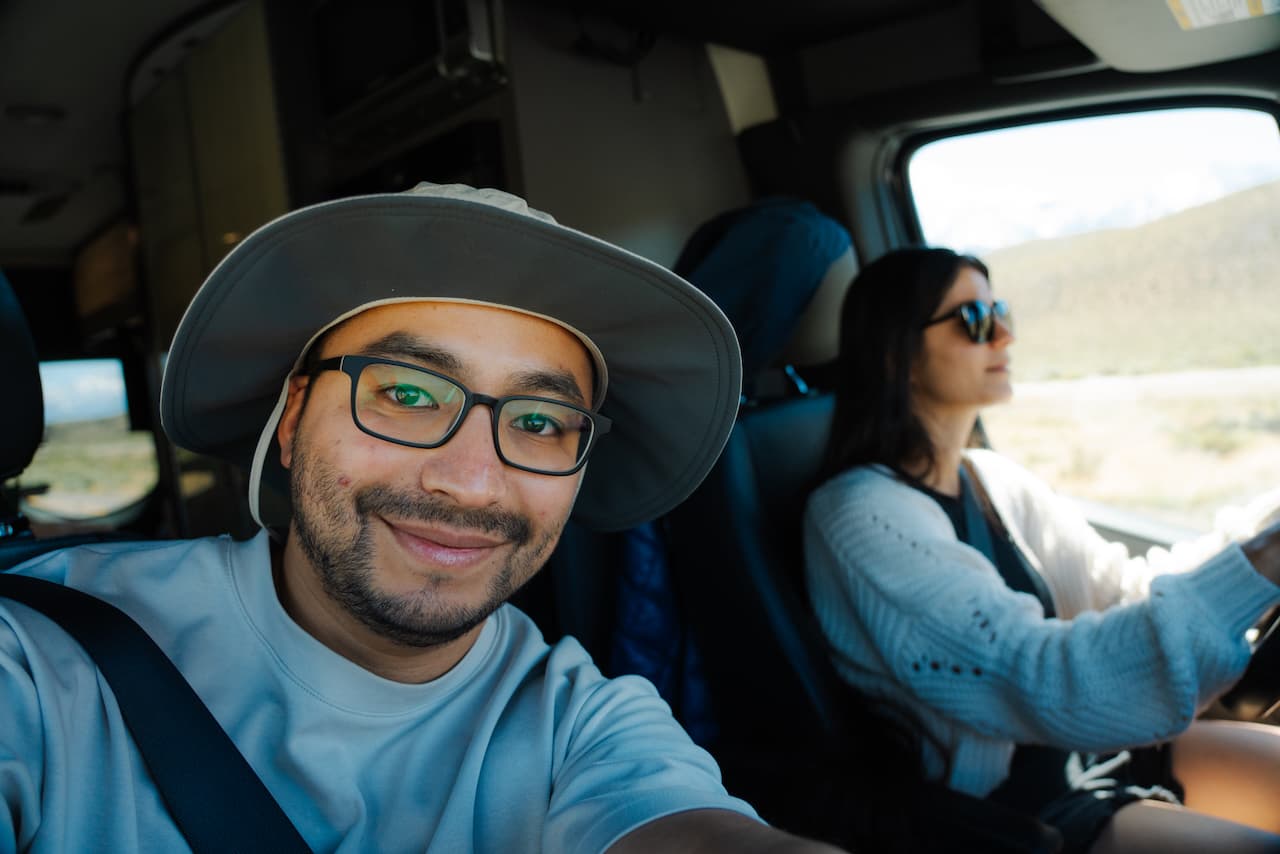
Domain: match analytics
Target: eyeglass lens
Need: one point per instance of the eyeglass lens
(407, 405)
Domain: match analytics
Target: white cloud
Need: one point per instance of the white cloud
(1001, 188)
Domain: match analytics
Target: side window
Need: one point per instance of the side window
(91, 471)
(1141, 255)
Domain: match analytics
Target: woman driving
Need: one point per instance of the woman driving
(1038, 662)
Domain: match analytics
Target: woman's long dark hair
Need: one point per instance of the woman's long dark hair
(880, 337)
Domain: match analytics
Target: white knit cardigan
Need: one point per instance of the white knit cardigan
(915, 615)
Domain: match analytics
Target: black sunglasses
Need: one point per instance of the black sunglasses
(979, 318)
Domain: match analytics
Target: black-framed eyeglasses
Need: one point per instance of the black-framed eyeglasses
(979, 318)
(420, 408)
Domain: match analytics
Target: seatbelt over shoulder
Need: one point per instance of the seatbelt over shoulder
(975, 521)
(978, 530)
(216, 799)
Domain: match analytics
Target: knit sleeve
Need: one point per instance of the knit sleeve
(901, 600)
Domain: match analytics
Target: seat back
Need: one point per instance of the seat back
(22, 426)
(23, 420)
(762, 264)
(735, 547)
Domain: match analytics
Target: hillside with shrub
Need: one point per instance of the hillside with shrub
(1193, 290)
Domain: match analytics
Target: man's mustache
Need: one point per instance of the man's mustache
(383, 501)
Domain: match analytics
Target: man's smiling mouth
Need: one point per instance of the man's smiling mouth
(442, 546)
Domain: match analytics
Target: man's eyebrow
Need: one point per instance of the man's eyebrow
(557, 383)
(406, 347)
(403, 346)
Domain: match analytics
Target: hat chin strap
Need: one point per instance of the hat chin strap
(260, 455)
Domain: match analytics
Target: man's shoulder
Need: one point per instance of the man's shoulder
(519, 638)
(93, 565)
(562, 668)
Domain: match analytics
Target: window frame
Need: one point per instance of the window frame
(1134, 529)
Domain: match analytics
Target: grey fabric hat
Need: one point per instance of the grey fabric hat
(671, 359)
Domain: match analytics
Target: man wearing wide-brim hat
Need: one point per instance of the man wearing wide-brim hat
(423, 386)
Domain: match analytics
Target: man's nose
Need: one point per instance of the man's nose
(467, 467)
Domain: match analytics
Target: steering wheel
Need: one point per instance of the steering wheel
(1257, 695)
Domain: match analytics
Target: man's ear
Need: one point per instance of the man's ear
(287, 429)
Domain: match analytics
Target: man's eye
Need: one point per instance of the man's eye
(411, 396)
(538, 424)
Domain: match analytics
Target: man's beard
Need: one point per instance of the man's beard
(323, 516)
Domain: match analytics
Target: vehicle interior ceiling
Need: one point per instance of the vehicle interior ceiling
(141, 147)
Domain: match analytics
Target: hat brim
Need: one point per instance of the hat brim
(673, 363)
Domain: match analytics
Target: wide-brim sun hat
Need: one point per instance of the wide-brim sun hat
(671, 361)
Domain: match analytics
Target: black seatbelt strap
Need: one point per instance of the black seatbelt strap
(217, 801)
(1014, 569)
(975, 521)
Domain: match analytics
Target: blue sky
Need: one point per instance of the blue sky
(985, 191)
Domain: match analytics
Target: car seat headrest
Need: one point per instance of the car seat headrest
(24, 408)
(762, 264)
(815, 339)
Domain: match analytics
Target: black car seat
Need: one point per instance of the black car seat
(23, 425)
(24, 417)
(761, 264)
(765, 265)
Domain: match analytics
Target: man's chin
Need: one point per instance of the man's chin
(400, 620)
